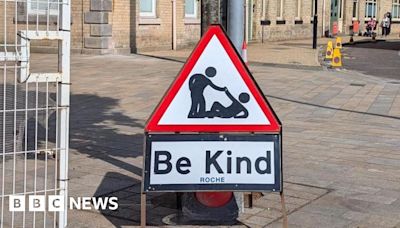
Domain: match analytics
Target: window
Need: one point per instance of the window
(191, 8)
(370, 9)
(148, 8)
(43, 7)
(298, 11)
(396, 9)
(355, 9)
(280, 9)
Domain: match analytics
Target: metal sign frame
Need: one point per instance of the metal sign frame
(154, 132)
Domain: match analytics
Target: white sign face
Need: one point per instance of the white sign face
(212, 162)
(214, 94)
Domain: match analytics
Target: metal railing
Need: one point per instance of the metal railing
(34, 110)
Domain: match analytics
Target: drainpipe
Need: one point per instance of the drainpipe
(246, 21)
(263, 10)
(173, 24)
(323, 17)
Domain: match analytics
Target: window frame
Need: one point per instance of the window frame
(396, 4)
(355, 9)
(52, 12)
(374, 3)
(151, 14)
(195, 9)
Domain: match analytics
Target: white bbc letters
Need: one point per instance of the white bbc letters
(16, 203)
(56, 203)
(37, 203)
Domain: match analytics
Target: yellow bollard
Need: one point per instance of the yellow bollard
(337, 58)
(329, 51)
(338, 42)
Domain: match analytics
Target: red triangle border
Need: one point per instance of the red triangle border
(152, 124)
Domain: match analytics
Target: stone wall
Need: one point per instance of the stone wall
(115, 26)
(156, 33)
(291, 25)
(18, 23)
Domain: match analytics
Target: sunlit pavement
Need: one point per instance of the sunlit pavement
(341, 142)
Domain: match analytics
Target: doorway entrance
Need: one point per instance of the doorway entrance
(334, 16)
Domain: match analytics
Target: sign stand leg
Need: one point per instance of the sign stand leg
(143, 210)
(285, 219)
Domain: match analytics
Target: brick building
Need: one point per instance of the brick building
(293, 19)
(110, 26)
(126, 26)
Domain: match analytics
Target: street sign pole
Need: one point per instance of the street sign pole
(236, 23)
(315, 24)
(226, 147)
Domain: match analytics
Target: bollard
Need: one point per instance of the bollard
(329, 51)
(337, 58)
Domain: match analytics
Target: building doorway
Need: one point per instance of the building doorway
(334, 16)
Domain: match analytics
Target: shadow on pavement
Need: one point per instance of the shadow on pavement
(101, 132)
(159, 205)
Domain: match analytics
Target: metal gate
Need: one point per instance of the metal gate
(34, 111)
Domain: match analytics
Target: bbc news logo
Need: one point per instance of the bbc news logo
(54, 203)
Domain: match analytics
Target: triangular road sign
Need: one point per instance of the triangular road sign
(214, 92)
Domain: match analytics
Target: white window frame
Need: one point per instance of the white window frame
(195, 7)
(396, 3)
(153, 10)
(374, 2)
(31, 11)
(356, 9)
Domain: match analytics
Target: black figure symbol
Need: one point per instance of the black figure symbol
(197, 85)
(235, 110)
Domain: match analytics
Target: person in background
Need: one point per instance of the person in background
(390, 21)
(385, 25)
(371, 26)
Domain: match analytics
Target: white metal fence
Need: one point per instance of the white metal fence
(34, 109)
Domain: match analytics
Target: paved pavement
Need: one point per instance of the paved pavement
(289, 54)
(341, 142)
(381, 59)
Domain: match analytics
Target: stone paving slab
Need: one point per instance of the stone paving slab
(340, 157)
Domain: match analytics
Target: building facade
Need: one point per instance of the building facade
(109, 26)
(129, 26)
(293, 19)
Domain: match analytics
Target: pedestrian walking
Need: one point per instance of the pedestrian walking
(385, 25)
